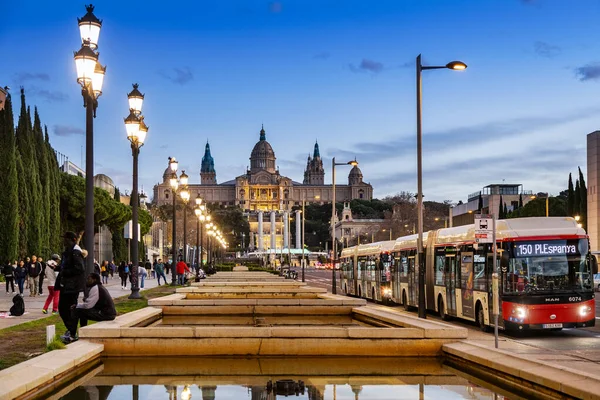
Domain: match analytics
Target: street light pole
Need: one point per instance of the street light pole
(90, 75)
(456, 65)
(173, 181)
(303, 219)
(333, 215)
(136, 134)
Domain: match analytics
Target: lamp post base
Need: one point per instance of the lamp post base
(135, 294)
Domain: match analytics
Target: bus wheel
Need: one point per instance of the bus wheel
(345, 288)
(404, 302)
(481, 319)
(443, 314)
(373, 294)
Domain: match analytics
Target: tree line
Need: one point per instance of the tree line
(38, 202)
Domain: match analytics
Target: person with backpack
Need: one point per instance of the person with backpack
(20, 276)
(52, 270)
(9, 276)
(104, 272)
(72, 281)
(123, 273)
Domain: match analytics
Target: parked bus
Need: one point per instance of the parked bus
(545, 274)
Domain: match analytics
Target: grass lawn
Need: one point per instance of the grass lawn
(21, 342)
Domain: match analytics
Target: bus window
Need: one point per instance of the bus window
(404, 267)
(439, 270)
(385, 267)
(479, 272)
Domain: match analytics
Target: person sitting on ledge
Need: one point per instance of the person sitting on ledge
(97, 306)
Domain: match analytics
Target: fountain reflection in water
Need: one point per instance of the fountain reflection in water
(312, 378)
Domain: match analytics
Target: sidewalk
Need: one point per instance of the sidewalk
(34, 305)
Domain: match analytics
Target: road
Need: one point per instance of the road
(583, 342)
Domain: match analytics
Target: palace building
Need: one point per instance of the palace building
(263, 190)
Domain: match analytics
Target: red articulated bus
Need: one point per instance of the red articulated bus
(545, 270)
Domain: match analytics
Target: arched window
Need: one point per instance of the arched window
(361, 194)
(166, 194)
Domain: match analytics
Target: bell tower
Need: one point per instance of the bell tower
(208, 175)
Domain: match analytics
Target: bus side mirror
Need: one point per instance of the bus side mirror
(594, 264)
(504, 258)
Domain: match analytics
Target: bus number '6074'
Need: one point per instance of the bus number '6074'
(576, 298)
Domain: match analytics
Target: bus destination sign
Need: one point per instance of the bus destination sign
(553, 248)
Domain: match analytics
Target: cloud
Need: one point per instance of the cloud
(324, 55)
(588, 72)
(48, 95)
(275, 7)
(181, 76)
(367, 65)
(547, 50)
(527, 1)
(67, 130)
(164, 146)
(22, 77)
(404, 145)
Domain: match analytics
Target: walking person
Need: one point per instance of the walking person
(42, 275)
(27, 262)
(52, 269)
(33, 271)
(112, 268)
(98, 305)
(123, 272)
(9, 275)
(104, 271)
(72, 281)
(160, 271)
(21, 276)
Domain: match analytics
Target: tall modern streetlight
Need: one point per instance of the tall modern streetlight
(456, 65)
(90, 75)
(136, 134)
(333, 213)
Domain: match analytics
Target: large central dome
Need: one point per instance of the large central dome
(262, 156)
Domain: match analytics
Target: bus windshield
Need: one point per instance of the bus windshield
(548, 266)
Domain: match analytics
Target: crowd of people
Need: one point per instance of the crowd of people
(63, 278)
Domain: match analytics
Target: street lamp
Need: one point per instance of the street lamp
(90, 75)
(577, 219)
(199, 211)
(136, 134)
(333, 213)
(445, 220)
(455, 65)
(174, 183)
(185, 197)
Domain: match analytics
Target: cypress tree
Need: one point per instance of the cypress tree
(521, 200)
(118, 241)
(29, 178)
(501, 209)
(23, 220)
(9, 195)
(54, 231)
(570, 197)
(504, 212)
(44, 176)
(576, 199)
(480, 203)
(582, 198)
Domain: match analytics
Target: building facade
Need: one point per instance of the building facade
(593, 181)
(262, 190)
(487, 201)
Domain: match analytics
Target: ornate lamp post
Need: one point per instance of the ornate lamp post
(174, 183)
(334, 255)
(185, 196)
(90, 75)
(455, 65)
(136, 134)
(199, 211)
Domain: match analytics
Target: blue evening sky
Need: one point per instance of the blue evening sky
(338, 71)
